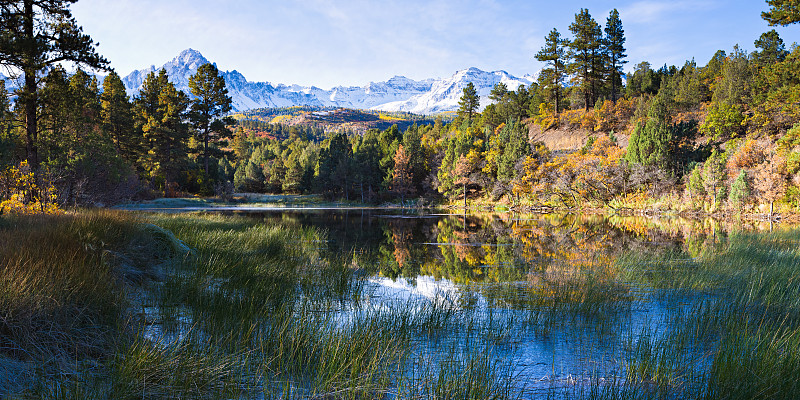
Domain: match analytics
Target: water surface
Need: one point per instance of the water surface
(563, 301)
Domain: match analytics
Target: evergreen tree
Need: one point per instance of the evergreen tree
(615, 51)
(80, 159)
(649, 142)
(658, 142)
(515, 136)
(736, 77)
(7, 140)
(367, 160)
(586, 51)
(85, 107)
(499, 92)
(161, 111)
(240, 145)
(713, 69)
(417, 160)
(773, 50)
(293, 179)
(334, 168)
(117, 118)
(782, 12)
(740, 190)
(55, 108)
(210, 104)
(554, 55)
(689, 92)
(469, 102)
(643, 80)
(34, 36)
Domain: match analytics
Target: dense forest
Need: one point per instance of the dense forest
(719, 137)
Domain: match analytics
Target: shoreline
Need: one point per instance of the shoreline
(314, 203)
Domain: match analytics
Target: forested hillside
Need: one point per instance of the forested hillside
(720, 135)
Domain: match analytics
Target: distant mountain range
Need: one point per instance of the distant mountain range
(430, 96)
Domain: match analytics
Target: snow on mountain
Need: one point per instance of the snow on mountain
(445, 93)
(396, 94)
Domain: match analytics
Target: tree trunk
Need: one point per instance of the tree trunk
(205, 151)
(465, 197)
(614, 86)
(30, 93)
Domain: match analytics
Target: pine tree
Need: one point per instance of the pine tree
(740, 190)
(161, 111)
(586, 51)
(782, 12)
(516, 148)
(418, 162)
(367, 161)
(34, 36)
(773, 50)
(55, 108)
(334, 168)
(210, 104)
(117, 118)
(615, 51)
(469, 103)
(7, 145)
(553, 54)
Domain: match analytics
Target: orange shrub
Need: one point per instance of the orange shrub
(748, 155)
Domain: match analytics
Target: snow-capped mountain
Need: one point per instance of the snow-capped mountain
(396, 94)
(445, 93)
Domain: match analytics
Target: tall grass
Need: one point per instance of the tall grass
(100, 304)
(62, 280)
(741, 339)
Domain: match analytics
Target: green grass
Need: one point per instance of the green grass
(105, 304)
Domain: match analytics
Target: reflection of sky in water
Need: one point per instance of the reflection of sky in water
(567, 354)
(545, 350)
(443, 292)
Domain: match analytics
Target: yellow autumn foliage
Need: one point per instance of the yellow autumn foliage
(19, 193)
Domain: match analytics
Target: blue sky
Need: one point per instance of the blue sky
(327, 43)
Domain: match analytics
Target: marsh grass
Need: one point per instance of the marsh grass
(102, 304)
(740, 336)
(62, 280)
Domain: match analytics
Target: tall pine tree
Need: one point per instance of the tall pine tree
(615, 51)
(36, 35)
(117, 118)
(470, 102)
(586, 50)
(554, 54)
(208, 109)
(161, 112)
(782, 12)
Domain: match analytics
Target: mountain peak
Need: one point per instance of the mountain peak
(398, 93)
(189, 59)
(190, 54)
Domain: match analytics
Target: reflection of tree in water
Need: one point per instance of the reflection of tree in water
(509, 247)
(538, 249)
(401, 251)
